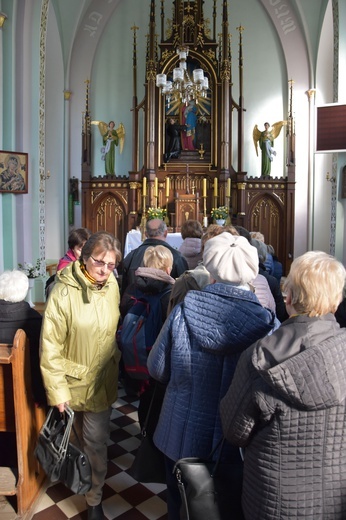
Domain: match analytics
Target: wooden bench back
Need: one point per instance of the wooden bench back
(19, 414)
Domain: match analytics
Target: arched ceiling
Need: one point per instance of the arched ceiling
(78, 19)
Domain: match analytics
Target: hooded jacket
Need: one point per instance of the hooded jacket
(79, 354)
(148, 280)
(191, 251)
(135, 259)
(196, 354)
(286, 405)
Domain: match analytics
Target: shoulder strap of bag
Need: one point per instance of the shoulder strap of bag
(144, 429)
(220, 445)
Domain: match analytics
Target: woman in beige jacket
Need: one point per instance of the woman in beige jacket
(79, 354)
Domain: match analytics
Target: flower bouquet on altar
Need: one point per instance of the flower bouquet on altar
(220, 213)
(159, 213)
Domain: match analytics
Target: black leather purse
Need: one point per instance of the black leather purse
(61, 460)
(210, 489)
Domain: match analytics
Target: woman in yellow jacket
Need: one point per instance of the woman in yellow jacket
(79, 354)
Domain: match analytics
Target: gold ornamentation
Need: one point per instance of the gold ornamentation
(151, 70)
(210, 55)
(265, 204)
(95, 195)
(201, 151)
(310, 93)
(225, 70)
(281, 197)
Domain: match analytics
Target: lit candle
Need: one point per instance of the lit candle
(156, 187)
(167, 186)
(215, 187)
(144, 187)
(228, 192)
(204, 187)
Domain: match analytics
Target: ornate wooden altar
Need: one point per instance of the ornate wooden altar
(116, 203)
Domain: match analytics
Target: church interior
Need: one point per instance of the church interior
(90, 93)
(68, 69)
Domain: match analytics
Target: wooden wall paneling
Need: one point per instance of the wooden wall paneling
(270, 209)
(106, 209)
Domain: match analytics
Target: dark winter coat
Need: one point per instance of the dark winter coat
(19, 315)
(274, 286)
(286, 406)
(196, 354)
(135, 259)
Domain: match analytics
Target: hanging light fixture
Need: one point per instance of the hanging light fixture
(182, 88)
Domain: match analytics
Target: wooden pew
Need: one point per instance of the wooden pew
(19, 414)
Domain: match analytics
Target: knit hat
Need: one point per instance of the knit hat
(230, 259)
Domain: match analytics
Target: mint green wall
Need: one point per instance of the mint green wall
(7, 142)
(20, 59)
(56, 186)
(112, 76)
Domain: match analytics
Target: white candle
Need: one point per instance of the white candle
(156, 187)
(167, 186)
(144, 187)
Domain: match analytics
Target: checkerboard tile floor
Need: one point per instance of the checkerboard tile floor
(123, 497)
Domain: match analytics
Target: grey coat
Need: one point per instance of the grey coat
(286, 406)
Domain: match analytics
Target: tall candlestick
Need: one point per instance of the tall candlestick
(167, 186)
(144, 187)
(228, 192)
(215, 187)
(204, 187)
(156, 187)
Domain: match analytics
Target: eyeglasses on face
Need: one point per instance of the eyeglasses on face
(101, 263)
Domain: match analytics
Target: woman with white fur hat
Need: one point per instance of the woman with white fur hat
(197, 351)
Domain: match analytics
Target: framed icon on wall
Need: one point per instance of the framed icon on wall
(13, 172)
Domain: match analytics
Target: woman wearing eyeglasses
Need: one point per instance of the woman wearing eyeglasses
(79, 354)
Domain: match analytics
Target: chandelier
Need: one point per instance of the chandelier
(182, 89)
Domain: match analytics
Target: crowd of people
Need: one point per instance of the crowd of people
(234, 358)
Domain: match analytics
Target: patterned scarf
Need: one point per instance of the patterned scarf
(97, 284)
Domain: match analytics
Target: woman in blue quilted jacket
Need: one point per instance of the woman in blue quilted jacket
(286, 404)
(197, 351)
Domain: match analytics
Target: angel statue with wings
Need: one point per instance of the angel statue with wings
(266, 142)
(111, 139)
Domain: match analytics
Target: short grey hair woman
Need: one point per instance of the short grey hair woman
(286, 403)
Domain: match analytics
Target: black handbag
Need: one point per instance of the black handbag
(149, 463)
(76, 471)
(61, 460)
(210, 489)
